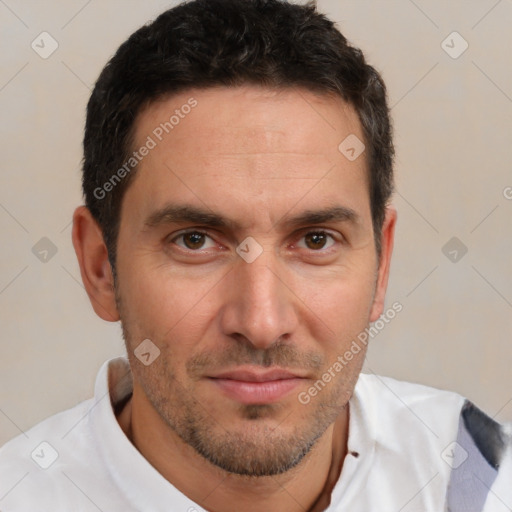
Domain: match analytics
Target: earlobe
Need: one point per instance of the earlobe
(95, 268)
(387, 239)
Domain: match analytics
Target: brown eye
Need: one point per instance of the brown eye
(194, 240)
(317, 240)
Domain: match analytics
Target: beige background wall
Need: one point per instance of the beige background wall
(453, 121)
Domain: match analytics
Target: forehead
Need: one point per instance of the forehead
(260, 119)
(248, 143)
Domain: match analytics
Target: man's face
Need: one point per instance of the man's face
(259, 164)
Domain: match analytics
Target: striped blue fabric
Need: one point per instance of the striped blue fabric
(476, 454)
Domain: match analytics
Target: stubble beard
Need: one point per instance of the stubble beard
(257, 449)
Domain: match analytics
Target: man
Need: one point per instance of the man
(237, 175)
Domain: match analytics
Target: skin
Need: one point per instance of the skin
(257, 157)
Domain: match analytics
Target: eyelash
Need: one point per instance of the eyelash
(316, 232)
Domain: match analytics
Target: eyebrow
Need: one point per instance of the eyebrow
(181, 214)
(330, 214)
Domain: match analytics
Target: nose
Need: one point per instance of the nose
(259, 303)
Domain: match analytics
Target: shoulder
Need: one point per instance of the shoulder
(406, 403)
(407, 423)
(17, 449)
(486, 434)
(480, 463)
(30, 462)
(48, 467)
(421, 429)
(410, 391)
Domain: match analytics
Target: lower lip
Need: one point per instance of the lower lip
(257, 392)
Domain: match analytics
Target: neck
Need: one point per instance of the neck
(306, 487)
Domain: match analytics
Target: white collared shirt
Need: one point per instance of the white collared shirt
(80, 459)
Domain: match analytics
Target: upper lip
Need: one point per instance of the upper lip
(257, 376)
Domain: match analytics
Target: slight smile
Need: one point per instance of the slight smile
(256, 387)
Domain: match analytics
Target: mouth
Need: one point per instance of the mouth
(257, 387)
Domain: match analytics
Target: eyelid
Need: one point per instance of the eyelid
(335, 236)
(172, 238)
(307, 231)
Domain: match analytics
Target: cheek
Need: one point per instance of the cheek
(342, 301)
(166, 307)
(347, 317)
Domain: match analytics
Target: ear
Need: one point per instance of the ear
(95, 269)
(387, 239)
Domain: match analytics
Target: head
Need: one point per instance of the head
(224, 223)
